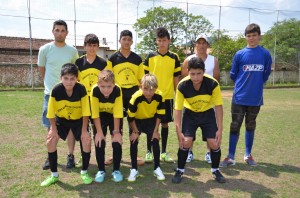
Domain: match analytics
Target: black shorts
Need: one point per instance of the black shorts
(145, 125)
(64, 126)
(107, 120)
(126, 96)
(168, 117)
(205, 120)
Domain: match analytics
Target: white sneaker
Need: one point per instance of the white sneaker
(159, 174)
(133, 175)
(190, 157)
(207, 157)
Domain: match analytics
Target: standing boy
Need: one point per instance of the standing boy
(251, 68)
(211, 68)
(145, 111)
(51, 57)
(128, 69)
(198, 94)
(68, 112)
(107, 111)
(165, 65)
(89, 66)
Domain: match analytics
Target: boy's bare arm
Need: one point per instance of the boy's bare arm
(99, 135)
(42, 71)
(117, 137)
(155, 132)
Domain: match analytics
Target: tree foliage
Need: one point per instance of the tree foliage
(225, 48)
(287, 35)
(182, 28)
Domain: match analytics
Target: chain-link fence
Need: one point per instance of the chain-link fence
(107, 18)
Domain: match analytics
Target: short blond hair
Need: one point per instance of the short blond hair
(106, 76)
(149, 81)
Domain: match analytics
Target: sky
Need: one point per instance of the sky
(107, 18)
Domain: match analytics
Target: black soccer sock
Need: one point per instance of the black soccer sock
(164, 138)
(117, 155)
(100, 155)
(149, 143)
(85, 160)
(156, 152)
(81, 148)
(53, 161)
(133, 153)
(182, 155)
(215, 157)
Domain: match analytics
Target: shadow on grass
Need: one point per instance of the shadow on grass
(148, 186)
(271, 170)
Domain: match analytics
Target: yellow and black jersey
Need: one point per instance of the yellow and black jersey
(141, 108)
(88, 73)
(71, 108)
(208, 96)
(113, 104)
(165, 68)
(128, 71)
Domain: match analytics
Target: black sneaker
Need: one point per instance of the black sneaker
(46, 165)
(218, 176)
(70, 161)
(177, 177)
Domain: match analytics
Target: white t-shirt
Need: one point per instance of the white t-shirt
(53, 58)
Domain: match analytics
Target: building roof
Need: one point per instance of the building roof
(21, 43)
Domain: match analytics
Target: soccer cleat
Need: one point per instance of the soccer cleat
(70, 161)
(159, 174)
(207, 157)
(177, 177)
(117, 176)
(149, 157)
(86, 178)
(218, 176)
(190, 157)
(227, 162)
(250, 161)
(133, 175)
(79, 163)
(49, 181)
(100, 176)
(46, 165)
(165, 157)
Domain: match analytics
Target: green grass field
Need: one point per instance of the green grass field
(23, 151)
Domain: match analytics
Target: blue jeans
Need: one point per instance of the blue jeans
(45, 120)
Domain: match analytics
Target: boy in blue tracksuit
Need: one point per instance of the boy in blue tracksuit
(251, 68)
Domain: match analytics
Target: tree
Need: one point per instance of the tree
(287, 34)
(175, 20)
(225, 48)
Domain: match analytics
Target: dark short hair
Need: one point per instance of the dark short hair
(162, 32)
(196, 63)
(91, 39)
(252, 28)
(69, 68)
(125, 33)
(60, 22)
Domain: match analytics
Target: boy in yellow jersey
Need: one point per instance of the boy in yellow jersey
(145, 111)
(128, 69)
(198, 94)
(68, 112)
(165, 65)
(107, 111)
(89, 66)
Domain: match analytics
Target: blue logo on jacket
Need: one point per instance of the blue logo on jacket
(253, 67)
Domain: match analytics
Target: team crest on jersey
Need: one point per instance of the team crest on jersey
(253, 67)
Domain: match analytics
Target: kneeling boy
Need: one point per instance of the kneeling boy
(146, 108)
(68, 112)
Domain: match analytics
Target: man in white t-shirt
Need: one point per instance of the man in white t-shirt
(52, 56)
(211, 68)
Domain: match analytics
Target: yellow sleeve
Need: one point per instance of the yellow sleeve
(217, 96)
(51, 108)
(109, 65)
(179, 99)
(118, 107)
(141, 72)
(94, 105)
(85, 106)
